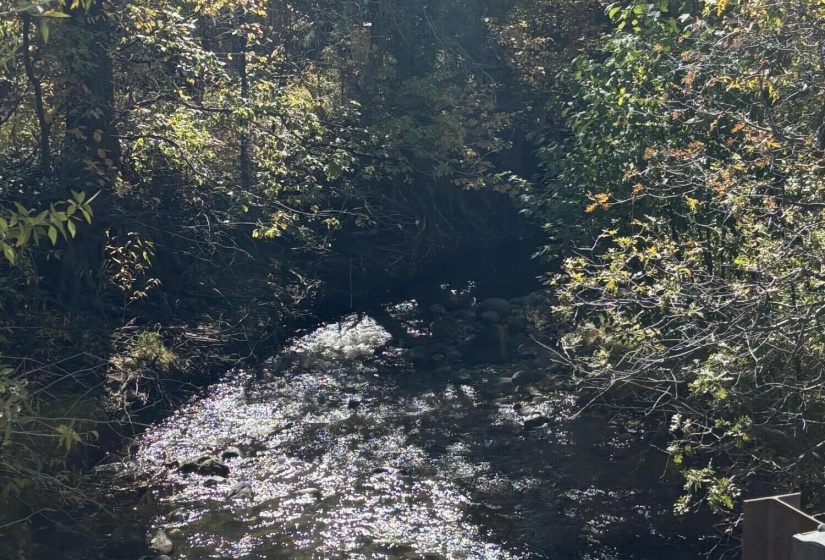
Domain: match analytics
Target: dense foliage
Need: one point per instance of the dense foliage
(693, 142)
(180, 180)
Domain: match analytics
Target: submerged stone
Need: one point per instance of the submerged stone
(232, 452)
(523, 378)
(535, 422)
(241, 491)
(443, 329)
(177, 515)
(205, 465)
(160, 543)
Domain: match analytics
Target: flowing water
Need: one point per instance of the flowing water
(345, 450)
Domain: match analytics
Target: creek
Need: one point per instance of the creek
(354, 444)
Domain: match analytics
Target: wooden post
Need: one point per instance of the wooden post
(769, 524)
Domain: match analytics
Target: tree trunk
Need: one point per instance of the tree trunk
(92, 151)
(45, 126)
(245, 163)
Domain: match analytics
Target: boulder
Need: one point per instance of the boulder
(444, 371)
(159, 543)
(462, 376)
(454, 302)
(418, 355)
(310, 491)
(528, 350)
(453, 353)
(535, 422)
(523, 378)
(516, 340)
(205, 465)
(241, 491)
(488, 345)
(464, 301)
(177, 515)
(415, 341)
(490, 318)
(213, 467)
(448, 351)
(500, 306)
(466, 315)
(495, 388)
(443, 328)
(232, 452)
(543, 359)
(516, 325)
(125, 541)
(437, 310)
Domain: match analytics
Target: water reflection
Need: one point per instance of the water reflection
(348, 454)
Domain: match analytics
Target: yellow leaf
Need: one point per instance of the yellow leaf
(54, 14)
(9, 253)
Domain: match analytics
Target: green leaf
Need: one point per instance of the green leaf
(61, 228)
(71, 227)
(53, 235)
(9, 253)
(23, 236)
(55, 14)
(67, 436)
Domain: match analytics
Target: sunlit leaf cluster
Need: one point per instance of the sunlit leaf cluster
(688, 183)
